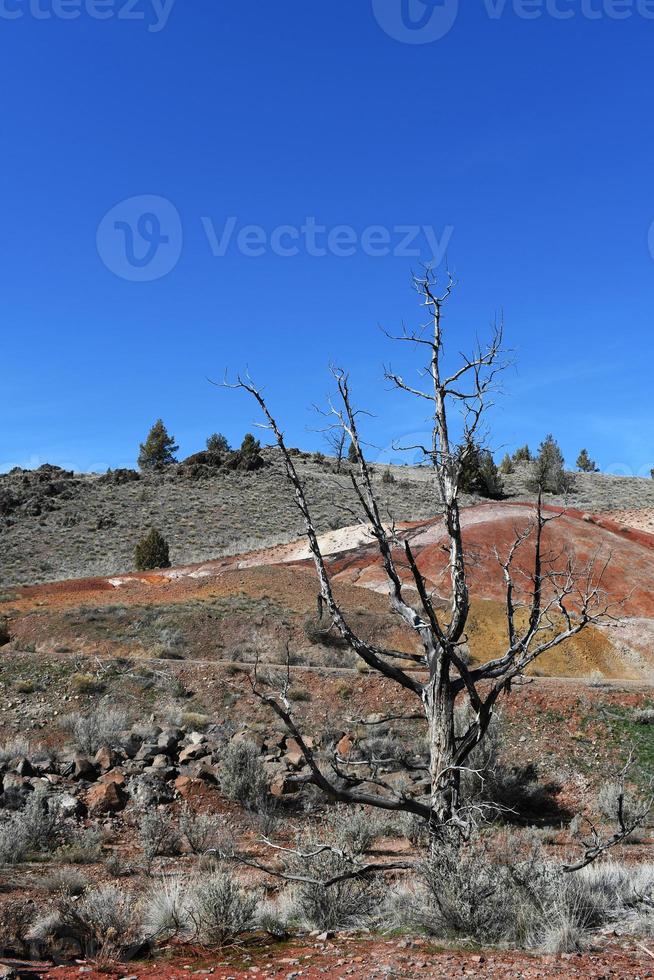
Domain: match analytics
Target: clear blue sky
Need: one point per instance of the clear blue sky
(527, 142)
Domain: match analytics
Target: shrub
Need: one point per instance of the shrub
(164, 910)
(5, 635)
(249, 455)
(158, 449)
(608, 802)
(14, 748)
(157, 836)
(220, 909)
(479, 473)
(243, 777)
(13, 845)
(202, 831)
(104, 923)
(217, 443)
(644, 716)
(348, 904)
(352, 829)
(86, 684)
(152, 552)
(83, 847)
(387, 477)
(65, 881)
(104, 726)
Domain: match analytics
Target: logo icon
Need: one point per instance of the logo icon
(140, 239)
(416, 21)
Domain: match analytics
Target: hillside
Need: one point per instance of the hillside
(56, 524)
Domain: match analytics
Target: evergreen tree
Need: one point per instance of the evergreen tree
(479, 473)
(352, 454)
(506, 466)
(585, 463)
(548, 473)
(250, 453)
(158, 449)
(152, 552)
(522, 455)
(217, 443)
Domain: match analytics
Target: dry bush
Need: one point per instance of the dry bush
(164, 911)
(157, 836)
(354, 830)
(202, 831)
(104, 726)
(105, 924)
(66, 881)
(243, 777)
(220, 910)
(14, 748)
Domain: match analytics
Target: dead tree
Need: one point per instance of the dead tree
(335, 439)
(553, 602)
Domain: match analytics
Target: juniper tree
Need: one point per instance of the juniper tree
(585, 463)
(217, 443)
(152, 552)
(547, 472)
(158, 449)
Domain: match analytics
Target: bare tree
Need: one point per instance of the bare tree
(551, 602)
(335, 438)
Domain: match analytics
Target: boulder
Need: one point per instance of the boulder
(105, 798)
(84, 768)
(113, 776)
(105, 758)
(282, 785)
(345, 745)
(191, 752)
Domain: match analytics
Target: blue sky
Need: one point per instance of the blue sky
(524, 143)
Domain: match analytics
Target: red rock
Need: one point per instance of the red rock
(105, 798)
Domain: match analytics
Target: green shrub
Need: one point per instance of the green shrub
(479, 473)
(152, 552)
(217, 443)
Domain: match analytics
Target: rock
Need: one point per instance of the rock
(105, 798)
(345, 745)
(113, 776)
(22, 767)
(105, 758)
(131, 745)
(294, 756)
(283, 785)
(196, 738)
(185, 785)
(160, 761)
(7, 972)
(68, 805)
(169, 740)
(83, 768)
(147, 752)
(205, 771)
(149, 788)
(191, 752)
